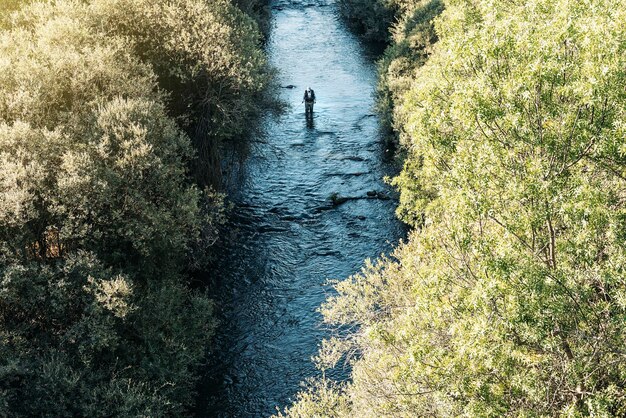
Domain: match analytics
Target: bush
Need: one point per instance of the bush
(98, 213)
(413, 37)
(82, 339)
(408, 27)
(205, 55)
(370, 18)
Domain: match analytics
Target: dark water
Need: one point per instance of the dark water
(290, 239)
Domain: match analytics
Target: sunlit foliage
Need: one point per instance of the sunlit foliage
(99, 215)
(509, 297)
(413, 36)
(206, 53)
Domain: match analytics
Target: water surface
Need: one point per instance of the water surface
(289, 238)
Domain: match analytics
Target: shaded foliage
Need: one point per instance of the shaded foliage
(407, 26)
(371, 19)
(207, 55)
(104, 107)
(412, 39)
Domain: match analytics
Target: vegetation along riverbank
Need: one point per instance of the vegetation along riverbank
(112, 113)
(508, 299)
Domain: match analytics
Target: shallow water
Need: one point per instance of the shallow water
(289, 239)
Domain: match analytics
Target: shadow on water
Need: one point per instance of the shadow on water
(310, 121)
(287, 237)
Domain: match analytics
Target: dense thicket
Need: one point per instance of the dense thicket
(412, 38)
(370, 18)
(509, 297)
(259, 10)
(206, 53)
(407, 27)
(99, 216)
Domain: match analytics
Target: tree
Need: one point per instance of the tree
(98, 214)
(207, 56)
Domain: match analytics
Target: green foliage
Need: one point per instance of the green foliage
(259, 10)
(6, 9)
(107, 173)
(388, 20)
(412, 39)
(205, 55)
(98, 213)
(408, 27)
(321, 398)
(509, 297)
(370, 18)
(71, 348)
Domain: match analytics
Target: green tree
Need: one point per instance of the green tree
(207, 56)
(99, 215)
(413, 36)
(370, 18)
(89, 168)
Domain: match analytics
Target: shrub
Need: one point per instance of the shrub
(371, 19)
(206, 56)
(98, 213)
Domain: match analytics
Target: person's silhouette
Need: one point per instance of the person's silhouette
(309, 100)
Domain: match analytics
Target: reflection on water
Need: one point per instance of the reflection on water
(310, 121)
(288, 238)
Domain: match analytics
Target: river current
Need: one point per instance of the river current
(289, 238)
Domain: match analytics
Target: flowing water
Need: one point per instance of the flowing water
(290, 237)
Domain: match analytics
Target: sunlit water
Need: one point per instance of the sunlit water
(289, 238)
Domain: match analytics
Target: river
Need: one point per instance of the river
(289, 238)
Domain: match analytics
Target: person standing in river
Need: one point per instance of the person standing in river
(309, 100)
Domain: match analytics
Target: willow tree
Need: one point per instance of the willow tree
(509, 298)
